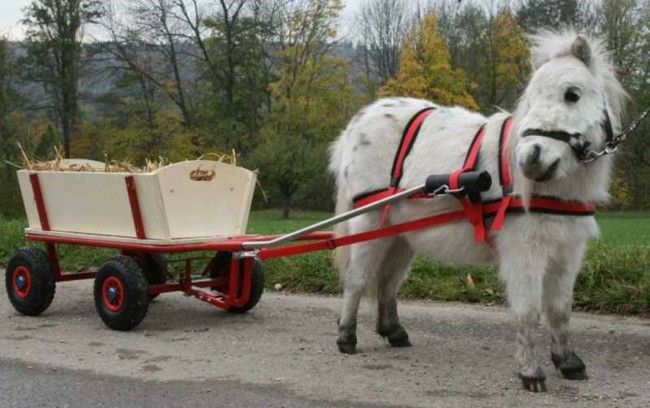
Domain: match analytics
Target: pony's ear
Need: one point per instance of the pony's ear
(580, 48)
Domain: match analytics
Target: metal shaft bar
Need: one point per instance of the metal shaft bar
(248, 245)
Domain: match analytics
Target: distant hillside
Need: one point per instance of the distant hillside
(100, 92)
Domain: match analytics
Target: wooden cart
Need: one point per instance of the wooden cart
(193, 207)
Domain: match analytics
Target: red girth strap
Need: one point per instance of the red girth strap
(471, 205)
(411, 132)
(505, 176)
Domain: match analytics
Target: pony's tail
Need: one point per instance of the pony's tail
(341, 254)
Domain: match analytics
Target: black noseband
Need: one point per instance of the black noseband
(565, 137)
(578, 145)
(575, 140)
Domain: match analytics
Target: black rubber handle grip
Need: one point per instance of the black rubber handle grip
(471, 181)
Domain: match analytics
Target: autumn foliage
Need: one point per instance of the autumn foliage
(425, 69)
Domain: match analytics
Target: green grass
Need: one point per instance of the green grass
(625, 228)
(615, 277)
(271, 222)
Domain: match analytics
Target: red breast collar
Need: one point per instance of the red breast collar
(476, 210)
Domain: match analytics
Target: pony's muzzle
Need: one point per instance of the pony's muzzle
(531, 163)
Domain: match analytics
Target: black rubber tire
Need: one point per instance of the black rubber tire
(221, 268)
(257, 288)
(43, 285)
(153, 266)
(136, 300)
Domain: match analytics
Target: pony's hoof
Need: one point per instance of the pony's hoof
(347, 344)
(347, 348)
(570, 366)
(399, 338)
(534, 383)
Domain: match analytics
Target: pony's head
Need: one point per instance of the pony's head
(571, 103)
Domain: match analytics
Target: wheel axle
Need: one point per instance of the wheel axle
(112, 293)
(20, 282)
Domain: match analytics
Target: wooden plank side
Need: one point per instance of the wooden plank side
(216, 207)
(172, 205)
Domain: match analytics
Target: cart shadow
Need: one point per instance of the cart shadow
(165, 313)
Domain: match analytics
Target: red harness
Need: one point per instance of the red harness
(474, 209)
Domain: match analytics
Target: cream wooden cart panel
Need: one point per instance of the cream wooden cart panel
(93, 203)
(214, 207)
(172, 204)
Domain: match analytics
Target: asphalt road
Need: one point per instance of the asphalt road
(283, 354)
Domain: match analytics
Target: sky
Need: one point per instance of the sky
(11, 14)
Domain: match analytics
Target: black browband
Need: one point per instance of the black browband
(578, 145)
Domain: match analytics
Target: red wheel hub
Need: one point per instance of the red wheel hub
(113, 293)
(22, 281)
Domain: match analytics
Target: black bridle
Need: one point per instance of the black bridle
(578, 144)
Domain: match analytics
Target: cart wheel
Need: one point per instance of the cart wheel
(221, 267)
(257, 288)
(29, 281)
(121, 293)
(153, 266)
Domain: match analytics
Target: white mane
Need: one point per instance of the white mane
(547, 45)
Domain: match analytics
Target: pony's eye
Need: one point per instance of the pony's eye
(572, 95)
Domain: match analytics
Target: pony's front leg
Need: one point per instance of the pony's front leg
(558, 298)
(523, 270)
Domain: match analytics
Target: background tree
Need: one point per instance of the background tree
(382, 25)
(490, 46)
(626, 26)
(506, 62)
(11, 128)
(236, 56)
(310, 101)
(425, 69)
(550, 14)
(159, 34)
(54, 54)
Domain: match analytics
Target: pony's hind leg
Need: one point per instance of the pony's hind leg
(558, 297)
(365, 261)
(391, 274)
(522, 270)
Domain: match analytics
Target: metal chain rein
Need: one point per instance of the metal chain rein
(612, 146)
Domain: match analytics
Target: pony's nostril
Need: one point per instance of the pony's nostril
(534, 156)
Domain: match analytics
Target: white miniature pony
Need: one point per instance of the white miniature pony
(573, 101)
